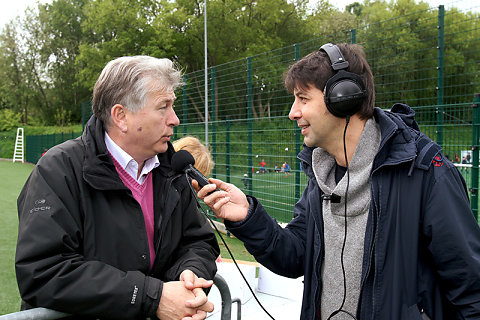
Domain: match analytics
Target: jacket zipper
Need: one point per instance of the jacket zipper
(320, 258)
(372, 246)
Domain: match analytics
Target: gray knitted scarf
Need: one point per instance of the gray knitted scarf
(358, 203)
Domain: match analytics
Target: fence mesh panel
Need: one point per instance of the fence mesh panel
(428, 59)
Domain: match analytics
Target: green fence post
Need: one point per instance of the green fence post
(185, 103)
(214, 127)
(227, 155)
(249, 122)
(475, 160)
(86, 112)
(440, 70)
(227, 150)
(297, 134)
(83, 115)
(353, 36)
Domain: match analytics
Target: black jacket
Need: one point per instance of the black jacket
(422, 243)
(82, 244)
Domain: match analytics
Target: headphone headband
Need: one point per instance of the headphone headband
(344, 92)
(335, 56)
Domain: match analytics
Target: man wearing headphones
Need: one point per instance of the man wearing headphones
(384, 228)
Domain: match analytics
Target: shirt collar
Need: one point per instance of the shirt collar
(127, 162)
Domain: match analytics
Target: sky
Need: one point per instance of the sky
(11, 8)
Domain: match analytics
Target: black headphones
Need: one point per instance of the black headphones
(345, 91)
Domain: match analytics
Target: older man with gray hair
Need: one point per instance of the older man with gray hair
(106, 228)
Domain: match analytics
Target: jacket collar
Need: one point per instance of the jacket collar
(398, 130)
(98, 168)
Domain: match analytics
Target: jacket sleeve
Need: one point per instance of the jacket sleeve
(51, 271)
(454, 241)
(198, 248)
(281, 250)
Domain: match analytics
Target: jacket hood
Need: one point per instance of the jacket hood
(399, 131)
(98, 168)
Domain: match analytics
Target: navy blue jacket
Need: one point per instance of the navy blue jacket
(422, 243)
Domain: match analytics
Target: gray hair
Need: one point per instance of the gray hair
(129, 80)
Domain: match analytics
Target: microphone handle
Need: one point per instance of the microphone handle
(195, 174)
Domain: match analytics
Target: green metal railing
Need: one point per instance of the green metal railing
(49, 314)
(421, 59)
(36, 145)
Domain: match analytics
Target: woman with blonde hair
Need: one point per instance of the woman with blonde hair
(203, 158)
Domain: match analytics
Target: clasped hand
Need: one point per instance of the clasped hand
(185, 299)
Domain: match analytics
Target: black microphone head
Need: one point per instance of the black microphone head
(181, 159)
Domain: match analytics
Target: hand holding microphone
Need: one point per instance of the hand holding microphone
(183, 161)
(228, 202)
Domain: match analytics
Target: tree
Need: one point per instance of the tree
(354, 8)
(398, 47)
(236, 30)
(326, 20)
(23, 82)
(13, 93)
(60, 24)
(114, 28)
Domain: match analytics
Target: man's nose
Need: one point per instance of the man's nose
(173, 119)
(295, 112)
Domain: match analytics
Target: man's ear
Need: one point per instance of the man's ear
(118, 117)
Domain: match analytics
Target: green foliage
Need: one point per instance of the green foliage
(50, 59)
(62, 117)
(326, 20)
(61, 28)
(7, 143)
(114, 28)
(38, 130)
(8, 119)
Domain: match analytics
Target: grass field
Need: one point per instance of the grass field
(13, 177)
(275, 191)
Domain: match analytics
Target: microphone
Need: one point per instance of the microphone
(334, 198)
(183, 161)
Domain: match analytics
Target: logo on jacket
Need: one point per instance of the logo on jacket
(40, 206)
(438, 160)
(134, 296)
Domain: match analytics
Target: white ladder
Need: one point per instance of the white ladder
(18, 152)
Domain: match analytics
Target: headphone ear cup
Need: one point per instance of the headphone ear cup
(344, 94)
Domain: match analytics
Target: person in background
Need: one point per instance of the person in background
(457, 158)
(107, 230)
(286, 168)
(245, 180)
(203, 157)
(384, 229)
(262, 165)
